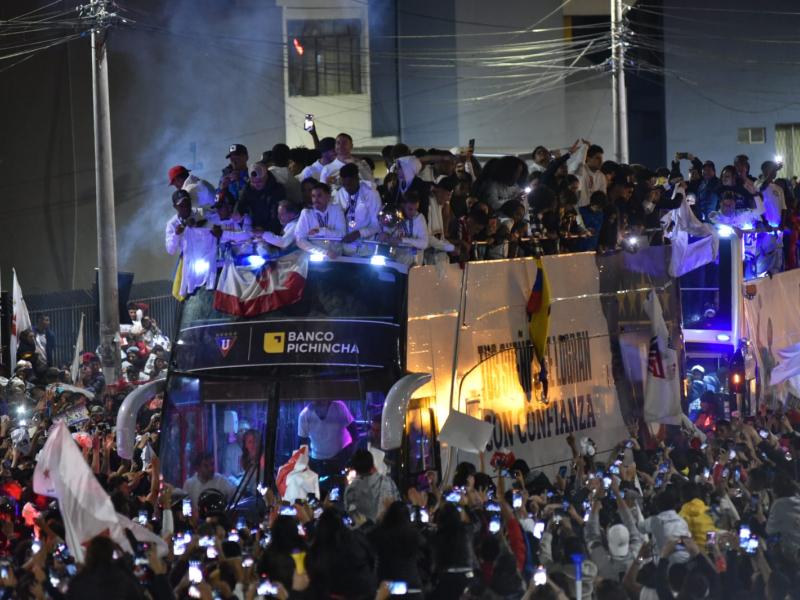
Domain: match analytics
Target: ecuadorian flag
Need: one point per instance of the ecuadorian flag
(538, 310)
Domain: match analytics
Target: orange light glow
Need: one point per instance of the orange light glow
(298, 46)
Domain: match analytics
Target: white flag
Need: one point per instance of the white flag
(76, 357)
(679, 224)
(86, 509)
(662, 396)
(20, 319)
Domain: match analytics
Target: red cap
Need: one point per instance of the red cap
(175, 172)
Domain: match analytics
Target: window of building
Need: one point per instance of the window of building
(751, 135)
(324, 57)
(787, 146)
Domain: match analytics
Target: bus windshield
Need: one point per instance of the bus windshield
(245, 393)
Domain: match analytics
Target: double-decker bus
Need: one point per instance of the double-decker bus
(403, 348)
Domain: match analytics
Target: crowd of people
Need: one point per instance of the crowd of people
(705, 511)
(701, 511)
(436, 206)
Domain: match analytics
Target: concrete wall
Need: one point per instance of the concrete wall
(729, 76)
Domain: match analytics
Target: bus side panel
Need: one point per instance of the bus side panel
(494, 365)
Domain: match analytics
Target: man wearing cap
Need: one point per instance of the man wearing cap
(624, 539)
(327, 149)
(361, 205)
(188, 236)
(226, 226)
(200, 190)
(344, 155)
(234, 176)
(91, 376)
(260, 199)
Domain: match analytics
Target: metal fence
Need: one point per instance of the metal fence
(65, 316)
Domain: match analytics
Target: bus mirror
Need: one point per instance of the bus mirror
(128, 410)
(395, 408)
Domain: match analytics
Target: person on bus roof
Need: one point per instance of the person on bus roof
(323, 220)
(360, 203)
(288, 214)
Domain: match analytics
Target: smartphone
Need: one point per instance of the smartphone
(663, 467)
(706, 472)
(744, 535)
(186, 507)
(471, 144)
(142, 518)
(397, 588)
(195, 572)
(711, 538)
(606, 482)
(493, 506)
(206, 541)
(565, 505)
(683, 155)
(538, 529)
(659, 480)
(752, 545)
(731, 454)
(72, 570)
(516, 502)
(763, 433)
(540, 576)
(613, 469)
(194, 592)
(290, 511)
(241, 524)
(266, 587)
(562, 471)
(424, 517)
(629, 444)
(494, 524)
(333, 495)
(211, 553)
(233, 536)
(247, 562)
(453, 496)
(308, 122)
(4, 572)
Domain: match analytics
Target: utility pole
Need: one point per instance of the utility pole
(619, 96)
(100, 19)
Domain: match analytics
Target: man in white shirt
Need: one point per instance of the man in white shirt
(288, 214)
(205, 478)
(774, 199)
(588, 172)
(187, 234)
(361, 205)
(412, 233)
(327, 427)
(438, 214)
(327, 150)
(323, 219)
(202, 193)
(344, 155)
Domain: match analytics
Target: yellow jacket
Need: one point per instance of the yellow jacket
(696, 514)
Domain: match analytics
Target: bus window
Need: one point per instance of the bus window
(329, 414)
(223, 419)
(420, 432)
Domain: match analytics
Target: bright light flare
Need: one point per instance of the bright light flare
(298, 47)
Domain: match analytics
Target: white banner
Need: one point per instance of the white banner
(772, 315)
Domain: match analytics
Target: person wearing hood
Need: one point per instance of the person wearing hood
(696, 513)
(666, 524)
(370, 492)
(561, 562)
(407, 169)
(624, 539)
(784, 515)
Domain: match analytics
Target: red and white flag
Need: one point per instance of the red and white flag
(20, 319)
(662, 396)
(246, 292)
(62, 472)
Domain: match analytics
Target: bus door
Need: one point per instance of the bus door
(420, 448)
